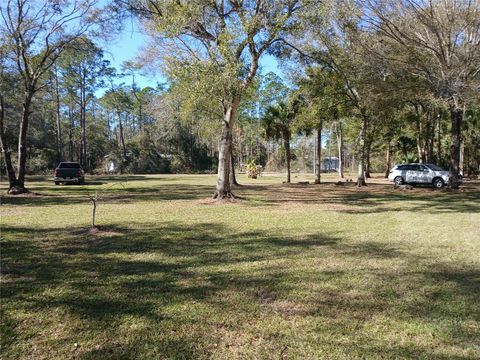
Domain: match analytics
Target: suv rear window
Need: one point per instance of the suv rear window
(69, 166)
(434, 167)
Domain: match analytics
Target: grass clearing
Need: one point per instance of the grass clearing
(289, 271)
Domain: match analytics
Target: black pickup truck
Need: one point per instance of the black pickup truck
(69, 172)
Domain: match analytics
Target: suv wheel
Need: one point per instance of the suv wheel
(438, 183)
(57, 182)
(398, 181)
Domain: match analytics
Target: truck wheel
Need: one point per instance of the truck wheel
(438, 183)
(398, 181)
(57, 182)
(81, 181)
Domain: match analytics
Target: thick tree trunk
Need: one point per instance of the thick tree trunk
(340, 149)
(456, 114)
(288, 155)
(361, 161)
(318, 168)
(12, 179)
(223, 189)
(388, 158)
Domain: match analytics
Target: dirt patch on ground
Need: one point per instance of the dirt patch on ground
(235, 200)
(97, 231)
(22, 195)
(288, 308)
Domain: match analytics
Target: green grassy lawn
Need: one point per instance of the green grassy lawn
(289, 271)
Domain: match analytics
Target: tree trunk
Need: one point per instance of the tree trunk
(83, 124)
(367, 160)
(361, 161)
(404, 150)
(140, 116)
(318, 169)
(70, 134)
(340, 149)
(389, 155)
(462, 157)
(240, 156)
(80, 155)
(223, 189)
(233, 178)
(420, 146)
(84, 141)
(58, 122)
(22, 143)
(12, 179)
(109, 129)
(287, 155)
(456, 114)
(122, 138)
(268, 156)
(431, 139)
(439, 140)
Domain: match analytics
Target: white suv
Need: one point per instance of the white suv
(419, 174)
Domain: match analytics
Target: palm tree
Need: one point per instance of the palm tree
(277, 123)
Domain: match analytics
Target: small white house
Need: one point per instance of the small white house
(110, 166)
(330, 163)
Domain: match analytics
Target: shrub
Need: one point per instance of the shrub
(252, 170)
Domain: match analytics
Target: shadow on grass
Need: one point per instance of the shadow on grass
(377, 198)
(191, 280)
(69, 195)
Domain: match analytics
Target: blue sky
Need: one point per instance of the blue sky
(130, 42)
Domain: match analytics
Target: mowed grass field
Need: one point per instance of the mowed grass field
(287, 272)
